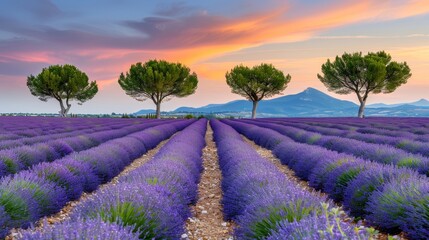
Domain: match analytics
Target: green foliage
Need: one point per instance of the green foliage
(11, 166)
(314, 138)
(14, 205)
(62, 82)
(256, 83)
(409, 162)
(372, 73)
(292, 211)
(158, 81)
(343, 180)
(125, 115)
(129, 215)
(189, 116)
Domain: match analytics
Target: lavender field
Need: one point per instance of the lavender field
(277, 178)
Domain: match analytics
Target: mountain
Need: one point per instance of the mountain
(420, 103)
(144, 112)
(403, 110)
(310, 102)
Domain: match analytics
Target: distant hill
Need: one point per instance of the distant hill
(144, 112)
(419, 103)
(308, 103)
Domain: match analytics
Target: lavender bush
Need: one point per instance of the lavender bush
(140, 206)
(29, 195)
(399, 206)
(359, 190)
(95, 229)
(256, 194)
(371, 190)
(326, 226)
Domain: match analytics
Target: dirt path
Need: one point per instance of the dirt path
(67, 209)
(207, 221)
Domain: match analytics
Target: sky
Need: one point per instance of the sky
(103, 39)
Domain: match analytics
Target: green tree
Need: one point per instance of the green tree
(256, 83)
(63, 83)
(158, 81)
(372, 73)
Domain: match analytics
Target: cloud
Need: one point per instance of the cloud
(178, 32)
(173, 9)
(41, 10)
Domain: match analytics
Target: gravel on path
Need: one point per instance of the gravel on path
(207, 221)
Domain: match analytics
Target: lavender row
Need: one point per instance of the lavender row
(371, 121)
(24, 127)
(380, 153)
(405, 144)
(152, 200)
(402, 127)
(265, 204)
(45, 189)
(8, 144)
(370, 132)
(22, 158)
(391, 198)
(389, 126)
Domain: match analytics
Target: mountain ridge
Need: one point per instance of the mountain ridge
(308, 103)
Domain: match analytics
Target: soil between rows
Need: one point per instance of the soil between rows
(207, 221)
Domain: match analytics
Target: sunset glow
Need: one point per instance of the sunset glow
(211, 37)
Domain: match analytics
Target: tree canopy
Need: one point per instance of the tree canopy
(63, 83)
(372, 73)
(257, 83)
(158, 81)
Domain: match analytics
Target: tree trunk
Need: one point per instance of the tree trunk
(362, 101)
(255, 105)
(158, 110)
(361, 109)
(64, 111)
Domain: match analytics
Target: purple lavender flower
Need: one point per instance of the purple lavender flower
(62, 176)
(81, 229)
(141, 206)
(317, 227)
(84, 171)
(29, 156)
(341, 176)
(50, 152)
(26, 197)
(399, 206)
(357, 193)
(132, 146)
(322, 171)
(170, 175)
(61, 147)
(9, 163)
(4, 218)
(267, 210)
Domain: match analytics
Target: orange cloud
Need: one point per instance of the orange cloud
(42, 57)
(274, 26)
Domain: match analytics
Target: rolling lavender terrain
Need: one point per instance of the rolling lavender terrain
(375, 168)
